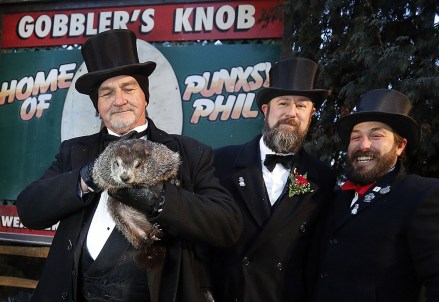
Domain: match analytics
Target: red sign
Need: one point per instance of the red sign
(167, 22)
(11, 229)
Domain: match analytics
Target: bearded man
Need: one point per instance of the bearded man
(280, 189)
(381, 238)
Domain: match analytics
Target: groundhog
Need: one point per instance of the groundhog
(130, 163)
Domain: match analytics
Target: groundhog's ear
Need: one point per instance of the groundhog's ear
(122, 150)
(146, 152)
(141, 148)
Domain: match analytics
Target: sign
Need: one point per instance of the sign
(206, 92)
(167, 22)
(11, 229)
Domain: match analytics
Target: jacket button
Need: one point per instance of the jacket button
(279, 266)
(64, 295)
(323, 275)
(245, 261)
(333, 241)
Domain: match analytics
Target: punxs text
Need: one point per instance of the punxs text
(225, 94)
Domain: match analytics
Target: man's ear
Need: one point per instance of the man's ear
(401, 146)
(265, 109)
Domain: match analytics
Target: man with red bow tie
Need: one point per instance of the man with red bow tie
(381, 239)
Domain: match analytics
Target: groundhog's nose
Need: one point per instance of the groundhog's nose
(124, 177)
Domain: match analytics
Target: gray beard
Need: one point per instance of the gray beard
(282, 141)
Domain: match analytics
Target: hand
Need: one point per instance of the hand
(148, 200)
(87, 178)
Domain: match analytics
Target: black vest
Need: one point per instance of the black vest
(116, 275)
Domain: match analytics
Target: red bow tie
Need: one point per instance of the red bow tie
(348, 185)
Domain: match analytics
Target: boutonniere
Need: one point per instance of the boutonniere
(299, 184)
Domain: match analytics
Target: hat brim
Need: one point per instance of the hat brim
(403, 125)
(89, 81)
(265, 95)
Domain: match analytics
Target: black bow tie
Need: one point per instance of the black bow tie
(272, 159)
(108, 138)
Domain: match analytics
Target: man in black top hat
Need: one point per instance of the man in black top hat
(381, 237)
(90, 260)
(280, 189)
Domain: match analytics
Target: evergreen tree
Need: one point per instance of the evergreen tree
(362, 45)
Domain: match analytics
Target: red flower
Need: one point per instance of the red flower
(300, 180)
(299, 184)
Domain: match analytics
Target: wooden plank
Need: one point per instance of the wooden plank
(38, 252)
(18, 282)
(27, 251)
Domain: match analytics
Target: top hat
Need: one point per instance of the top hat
(109, 54)
(382, 105)
(294, 76)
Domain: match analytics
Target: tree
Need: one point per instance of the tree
(363, 45)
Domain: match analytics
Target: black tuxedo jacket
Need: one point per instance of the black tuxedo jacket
(200, 211)
(388, 250)
(268, 261)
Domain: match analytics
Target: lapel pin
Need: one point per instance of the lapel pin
(385, 190)
(241, 181)
(355, 209)
(354, 200)
(369, 197)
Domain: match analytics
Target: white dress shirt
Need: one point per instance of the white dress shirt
(275, 180)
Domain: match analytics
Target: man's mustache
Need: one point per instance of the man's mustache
(119, 110)
(288, 121)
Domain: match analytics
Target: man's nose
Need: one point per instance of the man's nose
(364, 143)
(119, 98)
(291, 110)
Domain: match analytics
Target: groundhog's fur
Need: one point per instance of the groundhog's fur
(128, 163)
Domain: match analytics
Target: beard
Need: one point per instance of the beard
(122, 123)
(362, 176)
(283, 139)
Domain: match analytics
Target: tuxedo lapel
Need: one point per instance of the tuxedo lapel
(301, 166)
(251, 187)
(341, 208)
(154, 134)
(249, 182)
(374, 194)
(85, 151)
